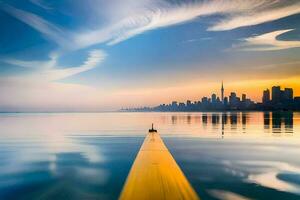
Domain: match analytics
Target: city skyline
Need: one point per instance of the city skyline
(97, 55)
(277, 99)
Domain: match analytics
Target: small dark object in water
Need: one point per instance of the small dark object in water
(152, 130)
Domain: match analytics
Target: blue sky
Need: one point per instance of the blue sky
(103, 55)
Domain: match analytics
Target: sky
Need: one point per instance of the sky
(99, 55)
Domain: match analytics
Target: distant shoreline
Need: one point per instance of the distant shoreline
(120, 111)
(210, 111)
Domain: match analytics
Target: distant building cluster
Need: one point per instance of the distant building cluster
(278, 99)
(281, 99)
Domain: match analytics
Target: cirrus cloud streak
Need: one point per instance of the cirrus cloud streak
(267, 42)
(151, 15)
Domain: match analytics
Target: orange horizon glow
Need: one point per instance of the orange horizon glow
(196, 90)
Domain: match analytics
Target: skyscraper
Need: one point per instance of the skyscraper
(276, 94)
(288, 94)
(188, 103)
(225, 101)
(222, 93)
(244, 97)
(213, 98)
(266, 96)
(233, 99)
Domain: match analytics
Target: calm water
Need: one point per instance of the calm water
(251, 155)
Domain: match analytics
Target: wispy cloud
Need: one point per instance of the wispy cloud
(34, 64)
(197, 40)
(95, 57)
(48, 29)
(256, 15)
(41, 4)
(267, 42)
(50, 71)
(32, 91)
(150, 15)
(162, 14)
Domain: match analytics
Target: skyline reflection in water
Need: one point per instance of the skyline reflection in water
(241, 122)
(206, 124)
(225, 155)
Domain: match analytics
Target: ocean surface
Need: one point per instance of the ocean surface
(232, 155)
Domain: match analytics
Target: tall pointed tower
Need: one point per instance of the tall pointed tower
(222, 93)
